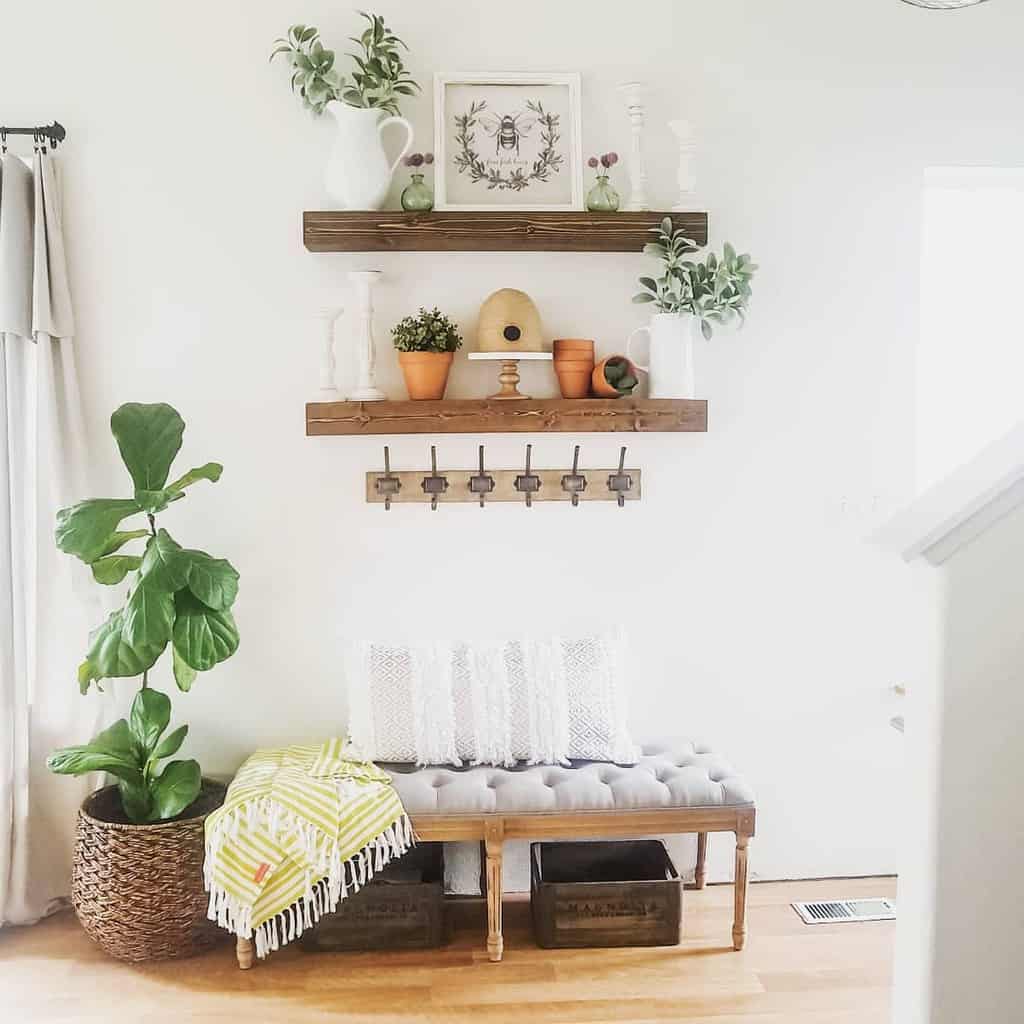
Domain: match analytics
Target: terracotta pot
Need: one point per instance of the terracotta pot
(573, 348)
(426, 373)
(602, 389)
(574, 364)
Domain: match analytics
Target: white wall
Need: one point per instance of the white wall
(978, 923)
(761, 618)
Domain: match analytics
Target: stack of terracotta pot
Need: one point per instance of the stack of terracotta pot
(574, 365)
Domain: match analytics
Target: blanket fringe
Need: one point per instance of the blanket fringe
(337, 880)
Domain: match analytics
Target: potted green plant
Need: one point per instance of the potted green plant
(137, 883)
(358, 174)
(690, 295)
(426, 345)
(614, 377)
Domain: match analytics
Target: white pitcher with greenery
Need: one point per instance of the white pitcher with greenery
(358, 173)
(691, 296)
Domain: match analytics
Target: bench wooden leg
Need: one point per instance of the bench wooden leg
(739, 924)
(702, 856)
(244, 953)
(493, 844)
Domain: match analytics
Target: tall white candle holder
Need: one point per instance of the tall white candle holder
(633, 93)
(686, 176)
(326, 315)
(363, 282)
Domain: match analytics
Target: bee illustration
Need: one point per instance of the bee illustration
(508, 130)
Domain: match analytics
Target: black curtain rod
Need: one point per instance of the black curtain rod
(54, 132)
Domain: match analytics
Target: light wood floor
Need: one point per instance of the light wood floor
(788, 974)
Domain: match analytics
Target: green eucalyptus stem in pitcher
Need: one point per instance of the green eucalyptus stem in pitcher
(177, 597)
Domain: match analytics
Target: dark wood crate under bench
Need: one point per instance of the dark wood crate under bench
(604, 894)
(402, 908)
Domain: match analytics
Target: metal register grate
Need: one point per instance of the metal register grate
(837, 911)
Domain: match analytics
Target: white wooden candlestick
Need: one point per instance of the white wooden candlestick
(632, 93)
(687, 174)
(367, 391)
(328, 391)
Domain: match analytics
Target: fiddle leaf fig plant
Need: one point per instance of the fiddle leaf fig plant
(177, 597)
(716, 290)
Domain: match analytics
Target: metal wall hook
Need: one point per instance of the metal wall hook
(575, 483)
(434, 484)
(621, 482)
(481, 483)
(388, 485)
(527, 483)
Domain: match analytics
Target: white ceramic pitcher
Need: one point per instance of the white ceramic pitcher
(669, 368)
(358, 175)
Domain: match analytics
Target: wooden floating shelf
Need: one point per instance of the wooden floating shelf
(487, 231)
(482, 416)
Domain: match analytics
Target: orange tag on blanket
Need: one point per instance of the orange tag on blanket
(261, 872)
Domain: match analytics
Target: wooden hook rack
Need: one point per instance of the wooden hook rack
(482, 486)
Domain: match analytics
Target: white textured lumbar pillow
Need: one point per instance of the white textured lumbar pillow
(542, 701)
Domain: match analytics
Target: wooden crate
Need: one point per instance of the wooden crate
(604, 894)
(402, 908)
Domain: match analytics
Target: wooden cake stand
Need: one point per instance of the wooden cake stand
(509, 376)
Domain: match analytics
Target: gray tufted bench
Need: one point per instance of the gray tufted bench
(678, 787)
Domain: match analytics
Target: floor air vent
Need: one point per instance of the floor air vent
(833, 911)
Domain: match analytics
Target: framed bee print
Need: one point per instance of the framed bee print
(507, 141)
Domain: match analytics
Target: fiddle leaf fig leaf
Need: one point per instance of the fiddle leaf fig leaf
(111, 569)
(110, 655)
(211, 471)
(184, 673)
(88, 528)
(164, 564)
(112, 750)
(171, 743)
(149, 437)
(150, 715)
(203, 636)
(148, 617)
(175, 788)
(86, 675)
(156, 501)
(136, 800)
(118, 539)
(213, 580)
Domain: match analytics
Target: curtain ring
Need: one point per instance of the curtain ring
(3, 142)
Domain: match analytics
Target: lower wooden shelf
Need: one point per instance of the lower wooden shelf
(483, 416)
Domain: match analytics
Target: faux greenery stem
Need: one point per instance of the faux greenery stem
(716, 290)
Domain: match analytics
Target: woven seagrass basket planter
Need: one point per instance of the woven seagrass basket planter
(138, 889)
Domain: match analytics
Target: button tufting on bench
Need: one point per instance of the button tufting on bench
(667, 775)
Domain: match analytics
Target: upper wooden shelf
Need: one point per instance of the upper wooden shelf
(531, 415)
(398, 231)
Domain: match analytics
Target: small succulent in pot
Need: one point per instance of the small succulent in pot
(602, 198)
(417, 196)
(426, 345)
(614, 377)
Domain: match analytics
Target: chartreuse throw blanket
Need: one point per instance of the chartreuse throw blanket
(300, 829)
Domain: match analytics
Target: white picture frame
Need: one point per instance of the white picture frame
(471, 187)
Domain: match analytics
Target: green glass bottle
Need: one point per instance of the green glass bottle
(416, 196)
(602, 198)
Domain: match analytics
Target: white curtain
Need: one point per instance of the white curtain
(43, 619)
